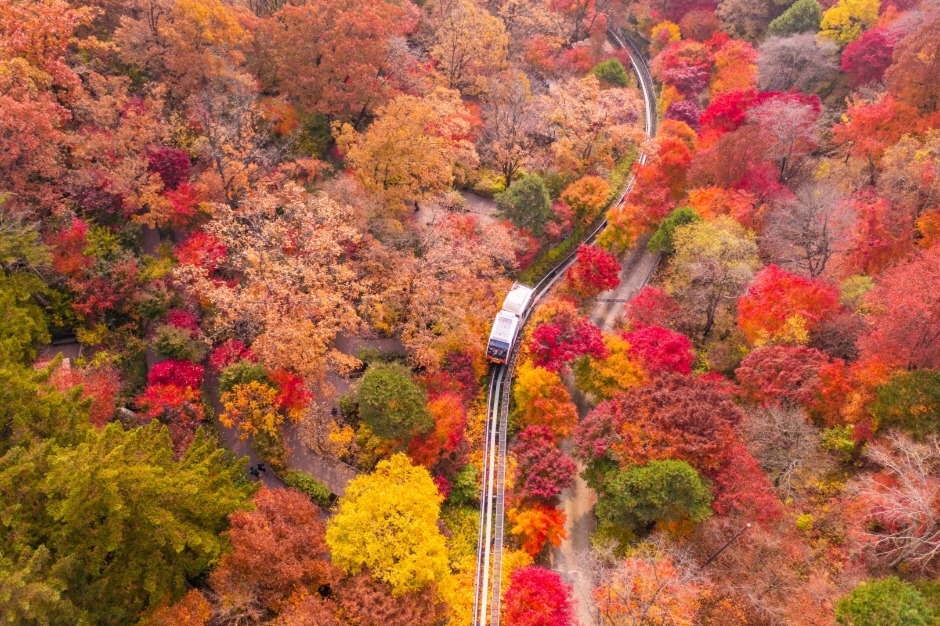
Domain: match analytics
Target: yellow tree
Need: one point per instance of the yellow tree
(387, 523)
(845, 22)
(590, 127)
(411, 151)
(542, 400)
(251, 408)
(605, 378)
(469, 44)
(293, 291)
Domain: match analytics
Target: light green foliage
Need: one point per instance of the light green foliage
(886, 602)
(660, 491)
(177, 343)
(662, 240)
(22, 322)
(612, 72)
(305, 482)
(462, 524)
(126, 524)
(852, 291)
(29, 596)
(241, 373)
(19, 242)
(846, 21)
(909, 400)
(802, 16)
(391, 403)
(464, 489)
(387, 523)
(527, 204)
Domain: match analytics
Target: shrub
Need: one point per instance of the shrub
(177, 343)
(612, 72)
(241, 373)
(305, 482)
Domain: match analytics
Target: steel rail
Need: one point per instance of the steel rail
(492, 511)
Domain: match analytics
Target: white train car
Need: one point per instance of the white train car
(506, 324)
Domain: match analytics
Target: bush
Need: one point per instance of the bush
(270, 448)
(661, 242)
(612, 72)
(464, 489)
(660, 491)
(391, 403)
(241, 373)
(302, 481)
(552, 257)
(527, 204)
(177, 343)
(909, 400)
(886, 602)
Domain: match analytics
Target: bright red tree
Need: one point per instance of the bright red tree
(781, 374)
(174, 372)
(537, 597)
(661, 350)
(769, 310)
(866, 59)
(651, 307)
(596, 270)
(905, 319)
(542, 469)
(566, 337)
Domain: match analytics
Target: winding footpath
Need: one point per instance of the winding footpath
(579, 501)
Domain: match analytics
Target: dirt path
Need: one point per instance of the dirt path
(578, 503)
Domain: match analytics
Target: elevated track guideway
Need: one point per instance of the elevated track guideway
(488, 584)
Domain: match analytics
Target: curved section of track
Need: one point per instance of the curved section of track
(487, 592)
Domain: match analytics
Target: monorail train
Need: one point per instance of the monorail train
(506, 324)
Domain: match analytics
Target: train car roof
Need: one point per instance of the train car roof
(517, 298)
(504, 327)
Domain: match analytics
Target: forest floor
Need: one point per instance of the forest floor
(578, 502)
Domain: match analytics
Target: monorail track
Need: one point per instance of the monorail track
(487, 593)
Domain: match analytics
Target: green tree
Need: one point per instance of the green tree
(886, 602)
(526, 204)
(387, 522)
(391, 403)
(910, 400)
(660, 491)
(124, 523)
(612, 72)
(22, 322)
(802, 16)
(662, 241)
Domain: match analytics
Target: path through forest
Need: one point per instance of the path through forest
(578, 503)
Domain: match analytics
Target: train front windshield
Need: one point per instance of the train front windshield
(497, 351)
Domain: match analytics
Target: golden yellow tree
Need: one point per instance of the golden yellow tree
(542, 400)
(251, 408)
(603, 378)
(469, 44)
(411, 151)
(387, 523)
(845, 22)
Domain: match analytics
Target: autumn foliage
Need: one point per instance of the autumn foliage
(537, 597)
